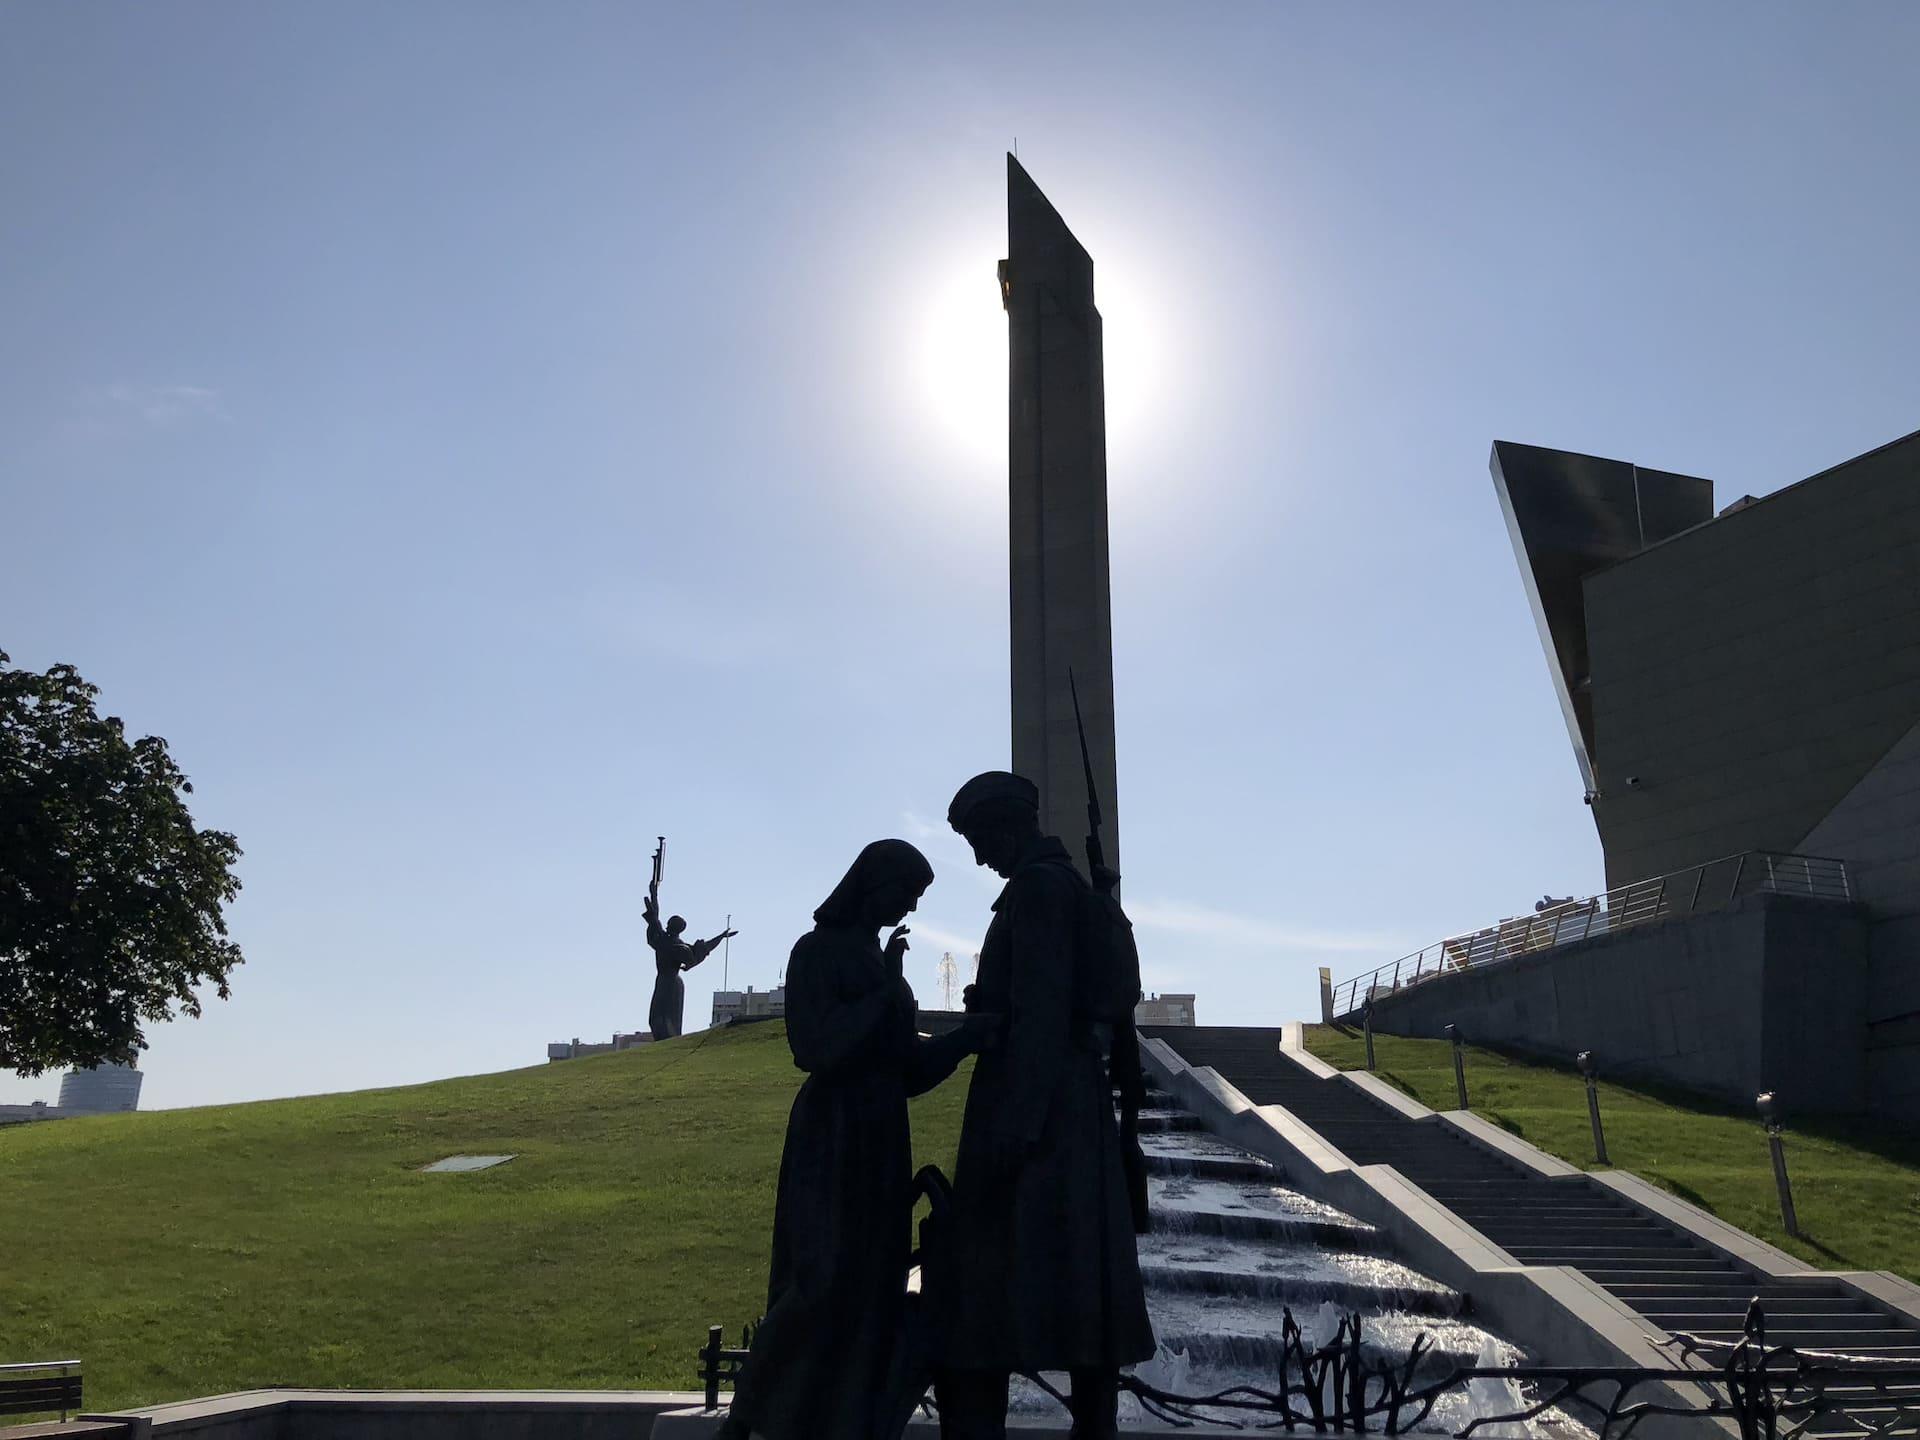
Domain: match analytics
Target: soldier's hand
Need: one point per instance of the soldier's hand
(984, 1031)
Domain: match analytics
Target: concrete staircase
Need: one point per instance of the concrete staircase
(1669, 1277)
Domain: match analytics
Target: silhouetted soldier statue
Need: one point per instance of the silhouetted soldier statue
(1045, 1271)
(666, 1016)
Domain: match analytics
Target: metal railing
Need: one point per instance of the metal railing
(1759, 1391)
(1696, 890)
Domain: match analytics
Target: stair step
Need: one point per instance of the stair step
(1688, 1287)
(1816, 1339)
(1720, 1306)
(1162, 1122)
(1275, 1229)
(1698, 1283)
(1212, 1167)
(1546, 1203)
(1700, 1320)
(1644, 1257)
(1302, 1289)
(1624, 1231)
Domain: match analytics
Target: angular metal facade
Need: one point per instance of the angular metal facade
(1569, 515)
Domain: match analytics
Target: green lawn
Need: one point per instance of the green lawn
(1855, 1186)
(292, 1242)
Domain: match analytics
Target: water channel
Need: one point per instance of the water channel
(1232, 1249)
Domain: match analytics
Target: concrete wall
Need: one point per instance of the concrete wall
(1877, 827)
(410, 1415)
(1751, 671)
(1770, 993)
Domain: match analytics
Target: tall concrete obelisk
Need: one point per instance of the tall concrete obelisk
(1057, 482)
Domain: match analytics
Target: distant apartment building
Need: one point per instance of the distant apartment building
(1166, 1009)
(749, 1004)
(103, 1090)
(577, 1049)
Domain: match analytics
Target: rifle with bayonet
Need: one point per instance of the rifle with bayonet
(1115, 940)
(651, 909)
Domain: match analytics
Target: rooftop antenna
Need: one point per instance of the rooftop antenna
(726, 954)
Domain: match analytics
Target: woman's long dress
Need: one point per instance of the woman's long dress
(842, 1225)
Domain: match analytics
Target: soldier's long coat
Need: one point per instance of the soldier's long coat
(1045, 1273)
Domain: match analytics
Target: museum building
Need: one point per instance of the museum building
(1741, 689)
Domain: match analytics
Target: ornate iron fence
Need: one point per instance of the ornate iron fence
(1767, 1393)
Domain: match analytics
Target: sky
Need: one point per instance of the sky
(482, 438)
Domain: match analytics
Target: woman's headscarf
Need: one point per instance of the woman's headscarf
(882, 862)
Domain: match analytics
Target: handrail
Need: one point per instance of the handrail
(41, 1365)
(1684, 892)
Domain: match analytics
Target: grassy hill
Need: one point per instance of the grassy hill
(293, 1242)
(1856, 1185)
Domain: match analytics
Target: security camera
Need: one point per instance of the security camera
(1633, 782)
(1589, 797)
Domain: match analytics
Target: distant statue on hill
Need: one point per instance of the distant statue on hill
(666, 1016)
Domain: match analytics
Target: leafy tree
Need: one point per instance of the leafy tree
(110, 899)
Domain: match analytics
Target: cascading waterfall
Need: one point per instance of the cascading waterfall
(1232, 1249)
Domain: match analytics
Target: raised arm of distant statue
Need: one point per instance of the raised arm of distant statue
(700, 949)
(650, 907)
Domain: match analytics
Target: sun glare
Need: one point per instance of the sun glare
(961, 363)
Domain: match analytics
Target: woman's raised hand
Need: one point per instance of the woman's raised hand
(897, 947)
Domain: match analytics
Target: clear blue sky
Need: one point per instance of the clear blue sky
(481, 438)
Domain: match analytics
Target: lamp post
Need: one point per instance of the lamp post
(1459, 1066)
(1769, 1109)
(1593, 1107)
(1366, 1026)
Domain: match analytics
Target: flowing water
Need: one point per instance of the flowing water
(1232, 1249)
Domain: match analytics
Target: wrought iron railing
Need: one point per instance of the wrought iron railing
(1767, 1393)
(1693, 891)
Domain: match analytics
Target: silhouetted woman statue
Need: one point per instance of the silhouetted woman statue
(842, 1226)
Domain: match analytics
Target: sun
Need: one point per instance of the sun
(960, 362)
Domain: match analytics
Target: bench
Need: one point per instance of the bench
(40, 1389)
